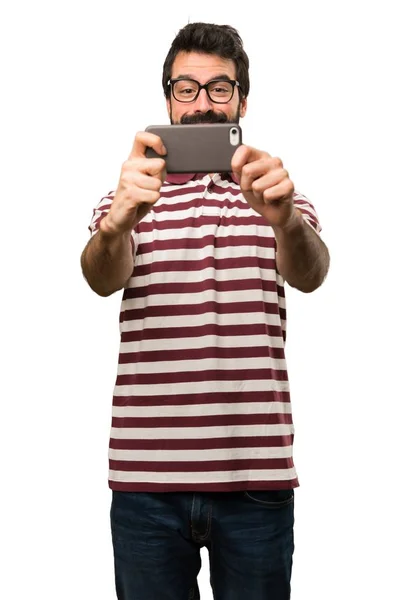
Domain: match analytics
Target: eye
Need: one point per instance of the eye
(185, 88)
(219, 89)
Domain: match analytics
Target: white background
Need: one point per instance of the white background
(78, 80)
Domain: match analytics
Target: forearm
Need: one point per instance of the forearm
(302, 257)
(107, 262)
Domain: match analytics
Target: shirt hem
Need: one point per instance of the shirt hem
(230, 486)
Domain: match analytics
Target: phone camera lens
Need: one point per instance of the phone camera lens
(234, 136)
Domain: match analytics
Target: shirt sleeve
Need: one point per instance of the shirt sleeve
(308, 211)
(100, 212)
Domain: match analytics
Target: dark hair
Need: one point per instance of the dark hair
(207, 38)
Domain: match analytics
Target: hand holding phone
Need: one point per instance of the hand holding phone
(139, 185)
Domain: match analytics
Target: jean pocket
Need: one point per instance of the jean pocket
(270, 498)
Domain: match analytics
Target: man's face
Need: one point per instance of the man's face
(204, 68)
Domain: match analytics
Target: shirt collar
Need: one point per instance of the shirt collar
(182, 178)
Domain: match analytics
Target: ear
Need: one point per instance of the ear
(243, 107)
(168, 105)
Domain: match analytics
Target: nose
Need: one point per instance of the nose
(203, 102)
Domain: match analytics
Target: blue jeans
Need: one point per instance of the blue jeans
(157, 539)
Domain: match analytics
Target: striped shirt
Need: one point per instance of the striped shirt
(201, 400)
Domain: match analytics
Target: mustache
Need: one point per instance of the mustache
(209, 117)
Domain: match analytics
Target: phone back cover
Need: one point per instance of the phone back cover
(204, 148)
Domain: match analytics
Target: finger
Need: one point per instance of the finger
(268, 180)
(281, 191)
(146, 196)
(252, 171)
(146, 182)
(151, 166)
(147, 166)
(141, 180)
(243, 155)
(144, 140)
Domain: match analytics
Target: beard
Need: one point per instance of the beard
(210, 116)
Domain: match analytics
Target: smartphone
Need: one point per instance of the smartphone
(203, 148)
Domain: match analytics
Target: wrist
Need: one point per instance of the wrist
(109, 233)
(294, 222)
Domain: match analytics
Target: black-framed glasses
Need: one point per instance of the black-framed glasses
(219, 91)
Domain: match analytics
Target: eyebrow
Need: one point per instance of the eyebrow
(220, 77)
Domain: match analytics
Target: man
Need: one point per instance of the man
(201, 439)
